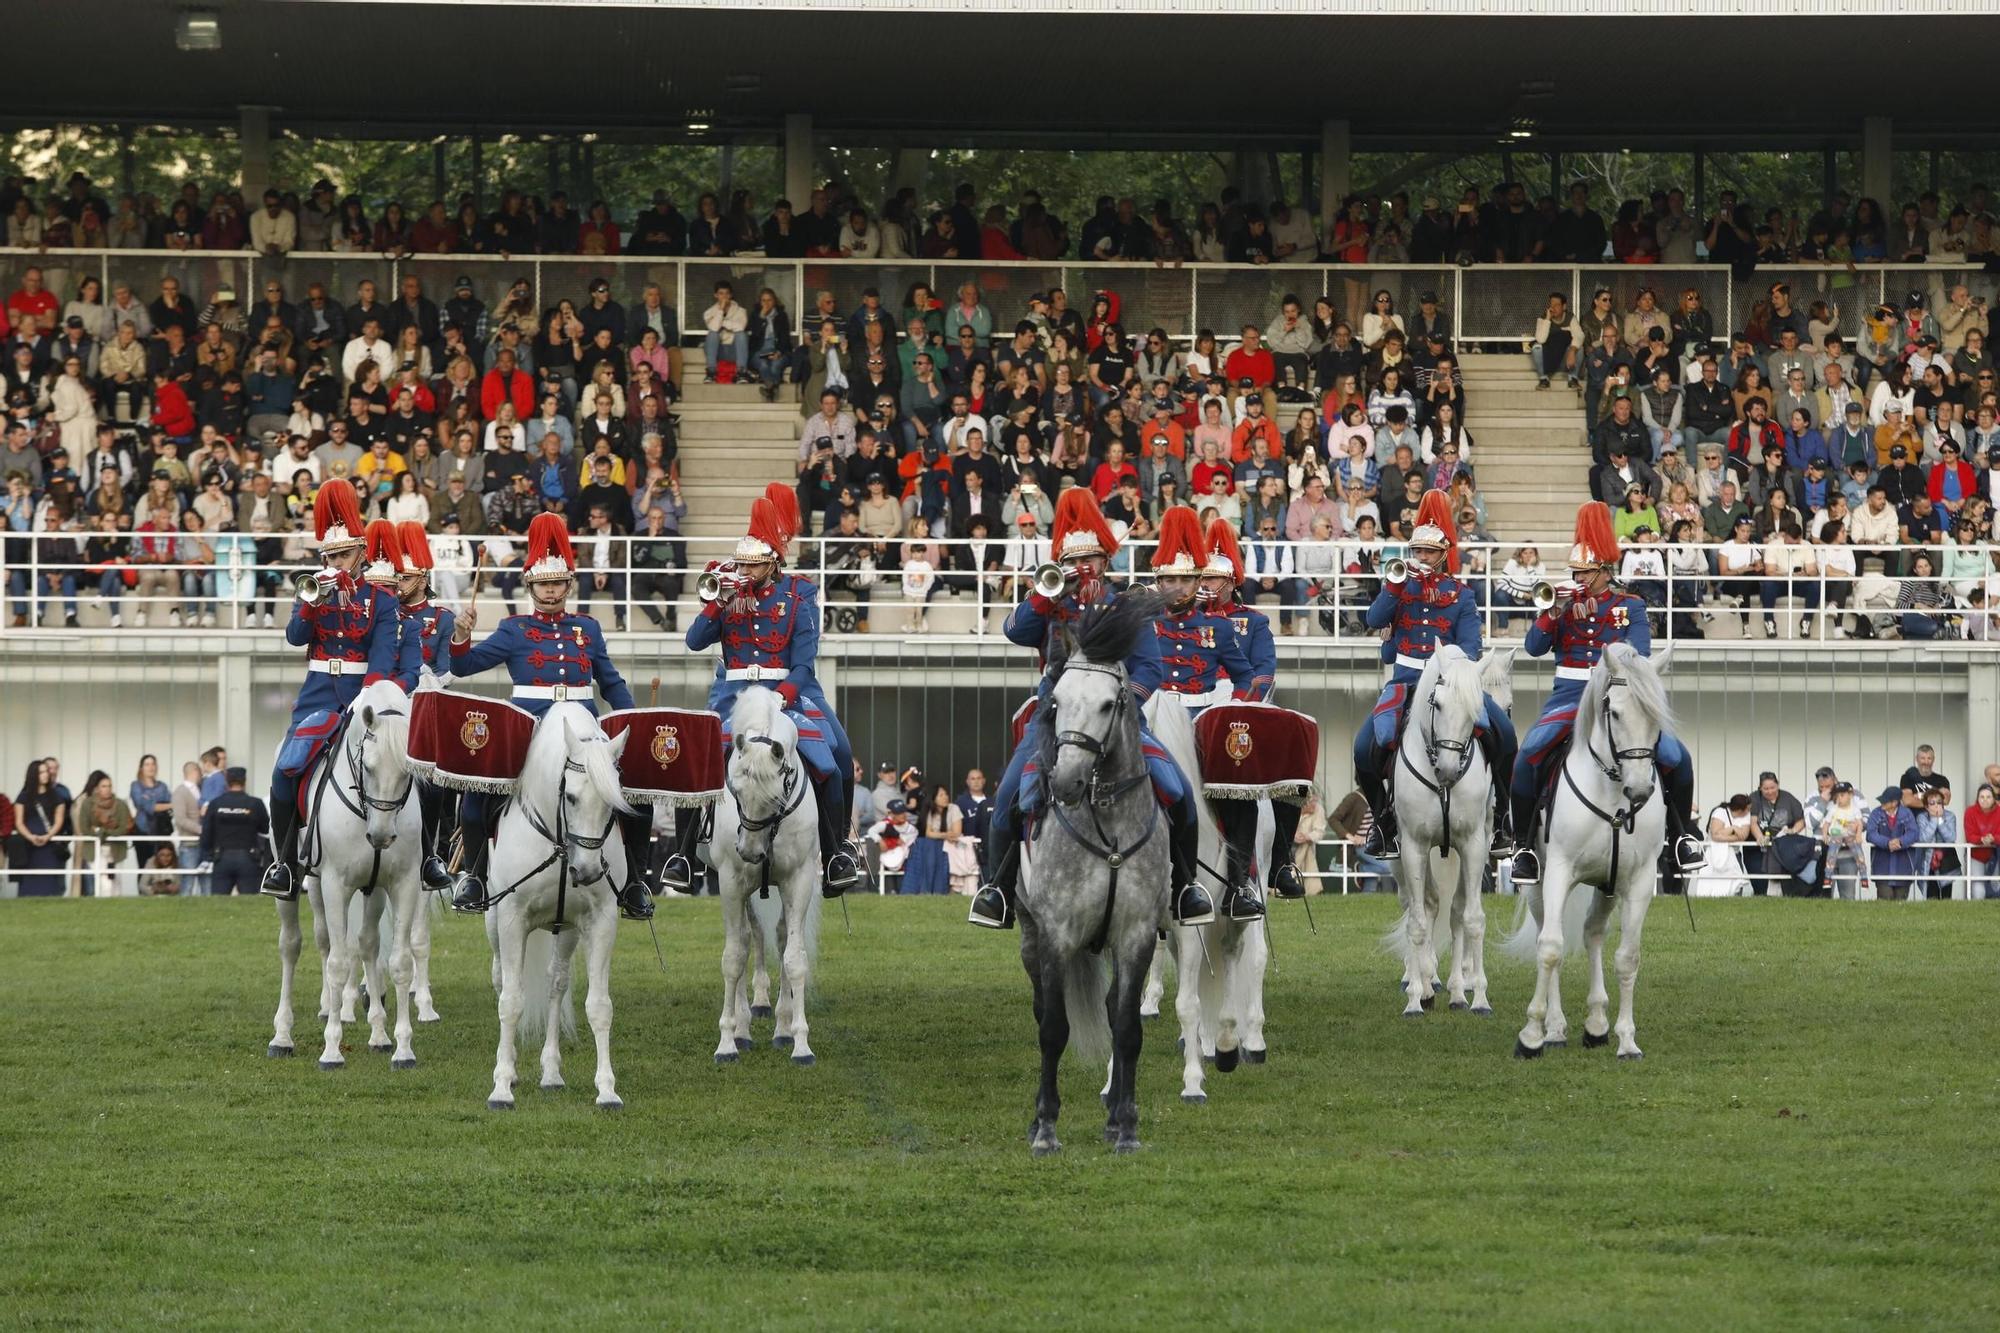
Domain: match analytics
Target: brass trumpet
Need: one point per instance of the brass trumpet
(1395, 570)
(1544, 595)
(708, 586)
(309, 588)
(1053, 580)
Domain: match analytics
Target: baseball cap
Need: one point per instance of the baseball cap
(886, 766)
(1025, 519)
(1246, 383)
(1854, 409)
(236, 775)
(1898, 451)
(463, 284)
(1890, 794)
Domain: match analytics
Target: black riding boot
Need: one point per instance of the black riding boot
(1284, 878)
(1241, 897)
(1192, 905)
(678, 871)
(993, 905)
(1382, 842)
(1686, 847)
(1527, 866)
(431, 801)
(842, 873)
(635, 830)
(281, 877)
(1500, 765)
(471, 895)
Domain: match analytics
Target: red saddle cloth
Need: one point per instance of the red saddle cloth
(1251, 751)
(674, 756)
(473, 743)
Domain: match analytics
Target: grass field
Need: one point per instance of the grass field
(1809, 1143)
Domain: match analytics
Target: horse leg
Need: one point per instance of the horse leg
(1548, 956)
(1187, 1009)
(1121, 1127)
(402, 971)
(1596, 1023)
(323, 941)
(1470, 956)
(1439, 913)
(785, 1007)
(339, 958)
(1412, 879)
(1634, 900)
(562, 960)
(1055, 1037)
(372, 907)
(760, 972)
(737, 927)
(797, 962)
(420, 962)
(597, 1001)
(1249, 978)
(1156, 986)
(510, 950)
(289, 939)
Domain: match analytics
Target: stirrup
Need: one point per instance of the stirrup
(1527, 868)
(1689, 852)
(1241, 902)
(634, 903)
(436, 878)
(1287, 882)
(278, 883)
(1193, 906)
(984, 912)
(677, 874)
(471, 896)
(1382, 844)
(841, 875)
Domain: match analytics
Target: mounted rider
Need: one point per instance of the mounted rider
(1590, 613)
(1426, 607)
(1199, 651)
(1220, 579)
(553, 657)
(768, 623)
(433, 626)
(1083, 545)
(354, 637)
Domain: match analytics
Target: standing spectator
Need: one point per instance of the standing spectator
(938, 825)
(1938, 865)
(41, 817)
(975, 806)
(233, 832)
(1843, 829)
(186, 814)
(152, 808)
(1891, 828)
(1921, 778)
(103, 817)
(1982, 830)
(1775, 813)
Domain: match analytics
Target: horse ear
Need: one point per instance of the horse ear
(618, 742)
(368, 716)
(1663, 660)
(1497, 665)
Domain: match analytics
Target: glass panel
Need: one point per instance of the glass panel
(164, 159)
(1504, 301)
(375, 170)
(1787, 181)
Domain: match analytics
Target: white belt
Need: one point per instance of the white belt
(757, 673)
(1413, 663)
(1572, 673)
(559, 693)
(334, 666)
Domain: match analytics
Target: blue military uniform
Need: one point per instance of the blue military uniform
(1198, 651)
(1253, 631)
(1419, 616)
(551, 658)
(777, 645)
(354, 640)
(433, 626)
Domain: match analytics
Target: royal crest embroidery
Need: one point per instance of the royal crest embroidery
(1237, 745)
(666, 746)
(475, 733)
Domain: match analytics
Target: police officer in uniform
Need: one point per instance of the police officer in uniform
(1083, 546)
(1591, 612)
(553, 657)
(1220, 578)
(1428, 606)
(433, 627)
(1202, 661)
(354, 637)
(768, 623)
(233, 828)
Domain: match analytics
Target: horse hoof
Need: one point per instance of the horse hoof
(1593, 1042)
(783, 1041)
(1457, 1006)
(1125, 1146)
(557, 1086)
(1145, 1017)
(1418, 1012)
(432, 1019)
(805, 1061)
(495, 1104)
(1555, 1045)
(762, 1011)
(1482, 1011)
(1045, 1148)
(744, 1043)
(1436, 986)
(612, 1105)
(1429, 1000)
(725, 1057)
(1251, 1057)
(1225, 1061)
(1523, 1051)
(1631, 1055)
(277, 1052)
(382, 1049)
(1194, 1099)
(1111, 1133)
(332, 1064)
(410, 1063)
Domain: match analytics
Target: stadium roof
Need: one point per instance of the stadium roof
(1402, 73)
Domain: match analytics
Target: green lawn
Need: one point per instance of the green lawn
(1809, 1143)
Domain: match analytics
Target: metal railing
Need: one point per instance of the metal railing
(861, 579)
(1487, 303)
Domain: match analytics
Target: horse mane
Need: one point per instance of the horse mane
(1647, 688)
(392, 720)
(593, 751)
(754, 712)
(1454, 680)
(1108, 631)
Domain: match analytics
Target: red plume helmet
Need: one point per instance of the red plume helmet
(1596, 542)
(1434, 511)
(767, 536)
(385, 551)
(1080, 528)
(337, 517)
(1180, 550)
(416, 545)
(549, 552)
(1224, 555)
(786, 501)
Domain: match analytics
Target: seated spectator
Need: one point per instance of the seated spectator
(1555, 347)
(1920, 600)
(727, 323)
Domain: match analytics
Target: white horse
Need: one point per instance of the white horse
(363, 836)
(348, 993)
(557, 863)
(766, 838)
(1444, 800)
(1606, 826)
(1219, 984)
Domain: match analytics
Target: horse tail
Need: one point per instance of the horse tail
(1524, 940)
(1085, 985)
(540, 962)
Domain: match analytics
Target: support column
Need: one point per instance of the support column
(1982, 718)
(1875, 165)
(1336, 168)
(799, 160)
(254, 133)
(235, 705)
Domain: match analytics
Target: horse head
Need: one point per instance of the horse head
(590, 791)
(763, 780)
(1631, 705)
(378, 755)
(1448, 707)
(1092, 709)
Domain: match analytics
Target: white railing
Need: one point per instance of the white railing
(862, 579)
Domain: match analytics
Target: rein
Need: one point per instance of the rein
(562, 839)
(358, 775)
(1442, 787)
(792, 790)
(1101, 794)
